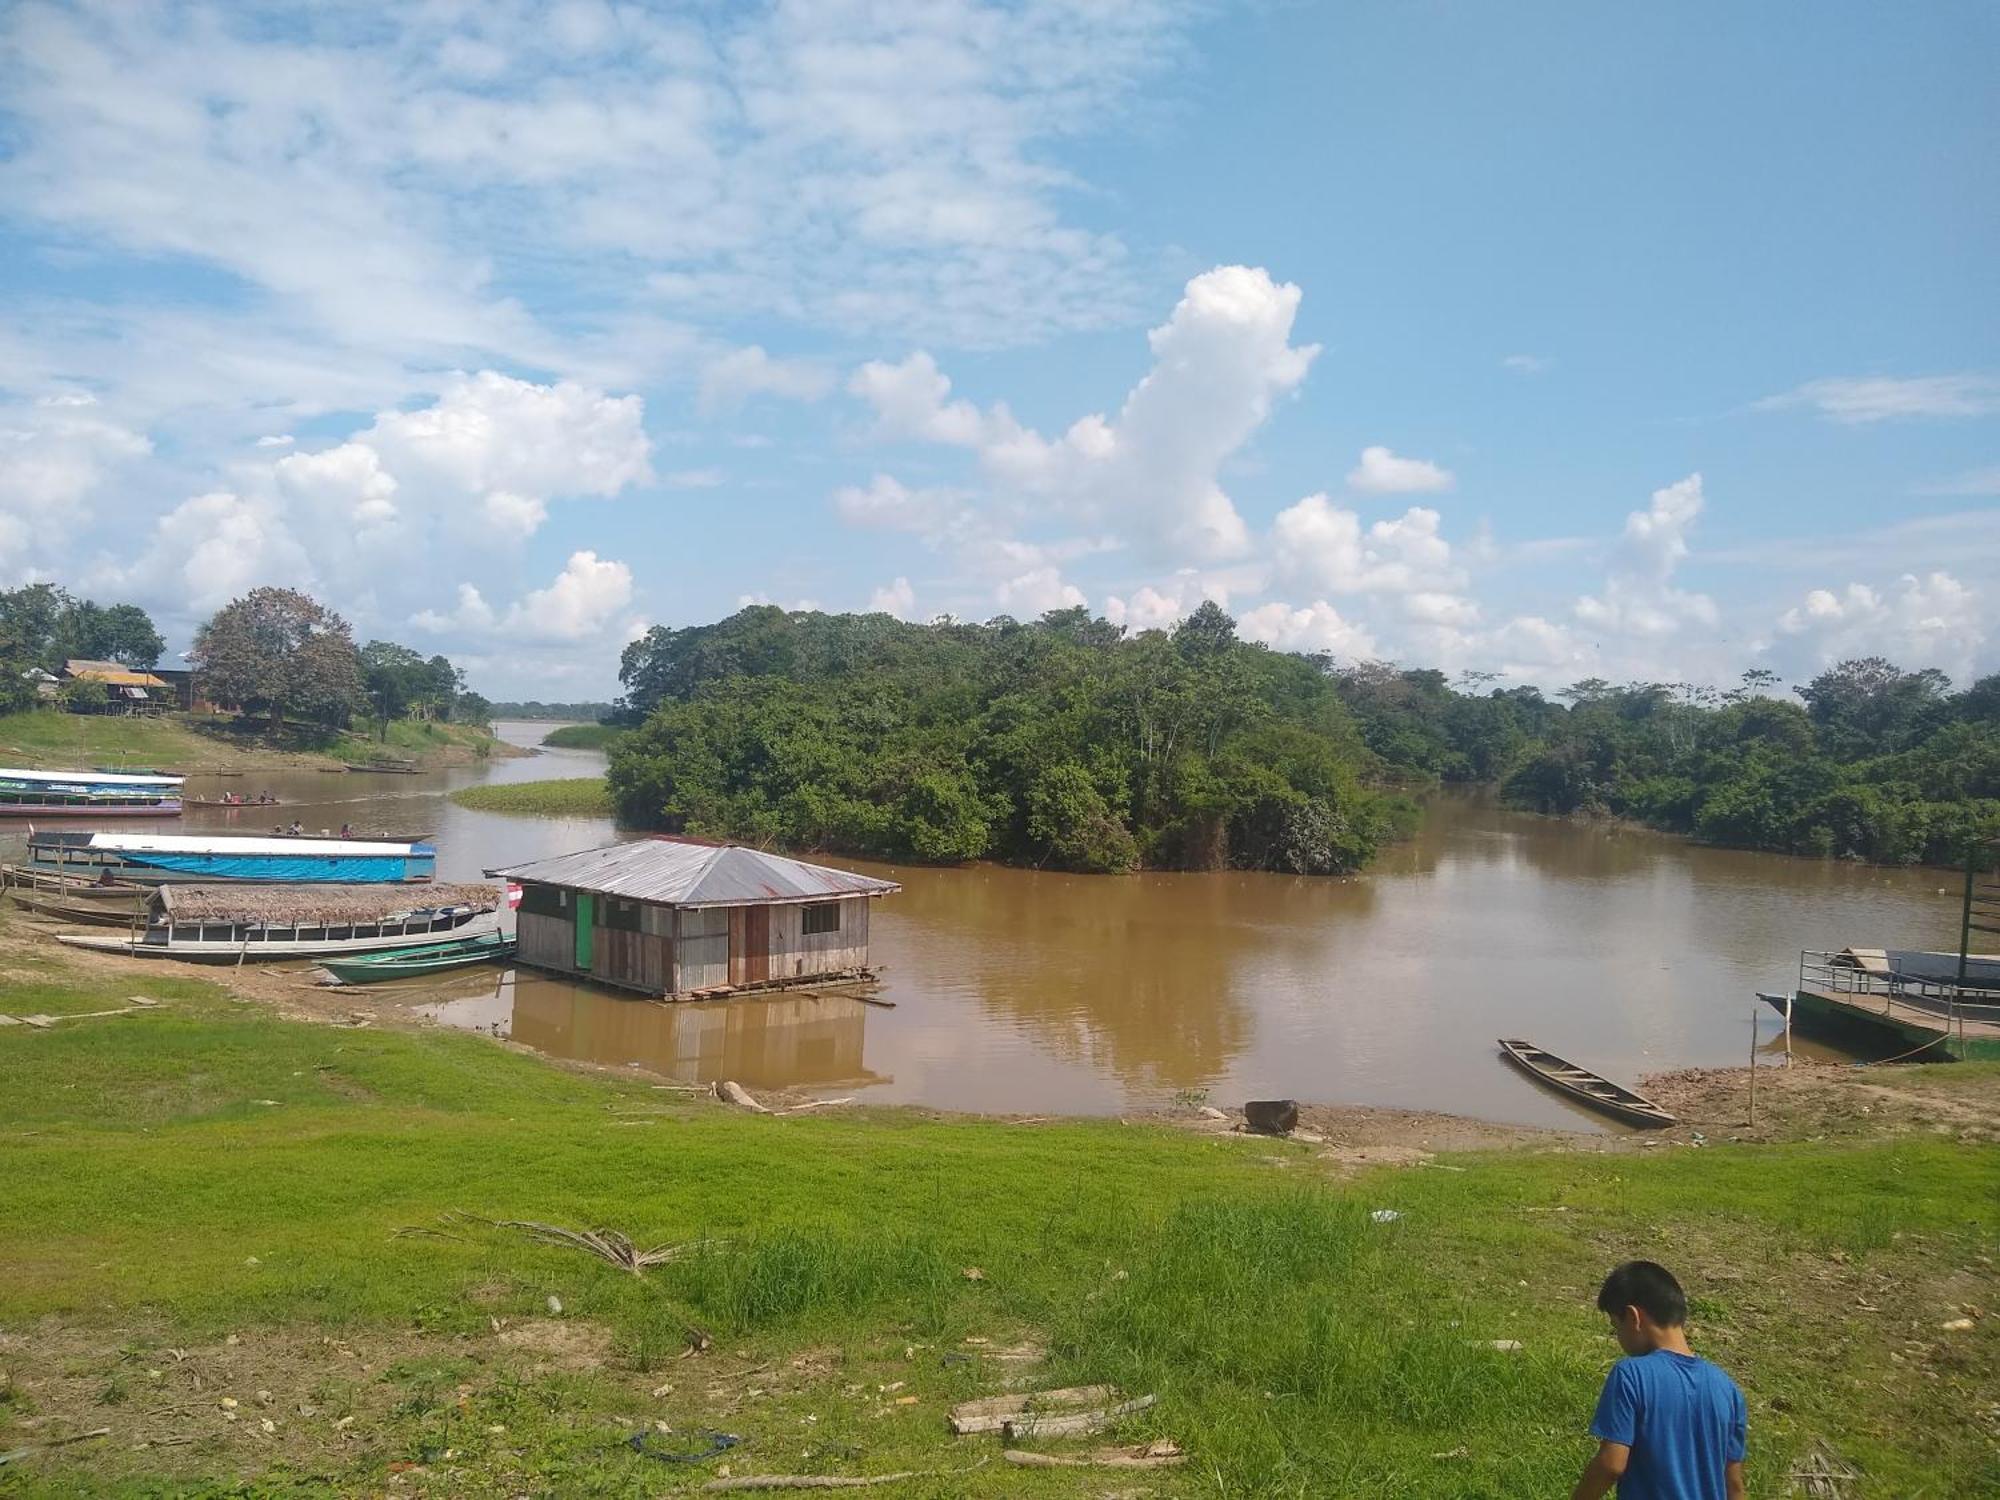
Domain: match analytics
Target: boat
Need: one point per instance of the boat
(1584, 1086)
(18, 878)
(90, 914)
(153, 858)
(385, 767)
(420, 961)
(238, 923)
(236, 806)
(88, 794)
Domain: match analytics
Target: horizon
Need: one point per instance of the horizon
(1556, 344)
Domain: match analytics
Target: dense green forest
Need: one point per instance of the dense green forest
(1059, 743)
(1068, 744)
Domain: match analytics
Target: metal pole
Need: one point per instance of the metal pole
(1965, 914)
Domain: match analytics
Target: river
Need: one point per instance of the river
(1027, 992)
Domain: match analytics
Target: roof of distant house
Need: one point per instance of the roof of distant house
(115, 674)
(693, 872)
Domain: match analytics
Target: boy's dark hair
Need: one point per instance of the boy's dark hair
(1650, 1288)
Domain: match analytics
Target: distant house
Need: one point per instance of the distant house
(126, 690)
(679, 916)
(46, 684)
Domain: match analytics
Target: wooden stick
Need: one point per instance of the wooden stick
(991, 1413)
(1114, 1459)
(871, 1000)
(1082, 1423)
(1753, 1067)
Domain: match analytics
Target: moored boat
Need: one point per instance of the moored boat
(1897, 1004)
(72, 794)
(153, 858)
(1584, 1086)
(18, 878)
(89, 913)
(420, 961)
(234, 806)
(238, 923)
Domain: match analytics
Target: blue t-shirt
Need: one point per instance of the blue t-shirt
(1683, 1419)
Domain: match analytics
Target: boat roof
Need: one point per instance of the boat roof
(290, 905)
(1982, 970)
(188, 843)
(675, 871)
(96, 778)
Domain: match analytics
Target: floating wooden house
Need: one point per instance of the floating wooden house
(686, 917)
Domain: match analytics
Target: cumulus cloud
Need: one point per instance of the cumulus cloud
(1324, 546)
(472, 613)
(1637, 597)
(1856, 399)
(734, 378)
(1932, 620)
(1313, 627)
(1220, 361)
(895, 598)
(56, 452)
(514, 517)
(1160, 608)
(886, 504)
(347, 482)
(1036, 592)
(213, 547)
(581, 602)
(1382, 472)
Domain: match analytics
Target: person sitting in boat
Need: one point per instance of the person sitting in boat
(347, 830)
(1669, 1425)
(298, 829)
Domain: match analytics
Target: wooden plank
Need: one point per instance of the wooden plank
(991, 1413)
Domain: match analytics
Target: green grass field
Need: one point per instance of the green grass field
(571, 797)
(204, 1201)
(583, 736)
(48, 739)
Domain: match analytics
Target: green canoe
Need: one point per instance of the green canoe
(415, 962)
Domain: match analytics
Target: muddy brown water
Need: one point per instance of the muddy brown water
(1028, 992)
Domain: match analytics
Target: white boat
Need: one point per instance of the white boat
(240, 923)
(281, 860)
(87, 794)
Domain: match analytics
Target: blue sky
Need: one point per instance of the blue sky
(1551, 340)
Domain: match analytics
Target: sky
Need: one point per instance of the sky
(1547, 340)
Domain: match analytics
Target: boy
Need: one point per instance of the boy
(1669, 1425)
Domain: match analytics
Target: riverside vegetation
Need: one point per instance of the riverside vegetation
(569, 797)
(204, 1255)
(1067, 743)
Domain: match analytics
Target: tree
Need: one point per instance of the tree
(282, 652)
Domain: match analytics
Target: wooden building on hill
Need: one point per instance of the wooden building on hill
(686, 917)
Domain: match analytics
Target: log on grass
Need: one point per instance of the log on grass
(1078, 1424)
(800, 1482)
(1152, 1456)
(991, 1413)
(735, 1093)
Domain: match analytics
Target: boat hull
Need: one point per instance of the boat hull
(237, 950)
(1868, 1025)
(417, 964)
(1631, 1109)
(54, 811)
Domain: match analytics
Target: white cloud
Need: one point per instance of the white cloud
(1161, 608)
(212, 548)
(514, 517)
(472, 613)
(1928, 621)
(56, 452)
(1382, 472)
(886, 504)
(1036, 592)
(734, 378)
(347, 482)
(275, 440)
(896, 598)
(1528, 364)
(580, 603)
(1313, 627)
(1324, 546)
(1219, 362)
(1637, 597)
(1853, 399)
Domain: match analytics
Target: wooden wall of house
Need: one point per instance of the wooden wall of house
(702, 944)
(546, 942)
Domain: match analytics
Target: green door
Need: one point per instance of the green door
(586, 920)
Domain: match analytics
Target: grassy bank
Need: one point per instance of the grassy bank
(220, 742)
(205, 1203)
(583, 736)
(572, 797)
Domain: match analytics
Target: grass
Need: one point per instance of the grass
(583, 736)
(571, 797)
(47, 739)
(211, 1181)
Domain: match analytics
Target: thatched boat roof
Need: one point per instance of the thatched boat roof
(317, 905)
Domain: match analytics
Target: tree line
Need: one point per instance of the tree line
(1067, 743)
(1062, 743)
(274, 653)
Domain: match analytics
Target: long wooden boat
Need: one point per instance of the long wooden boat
(89, 913)
(155, 858)
(233, 806)
(244, 923)
(18, 878)
(1584, 1086)
(88, 794)
(421, 961)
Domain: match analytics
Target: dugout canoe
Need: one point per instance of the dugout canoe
(1585, 1087)
(420, 961)
(90, 914)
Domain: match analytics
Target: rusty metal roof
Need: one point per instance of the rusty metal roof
(683, 872)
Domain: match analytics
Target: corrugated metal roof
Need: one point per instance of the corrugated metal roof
(680, 872)
(114, 673)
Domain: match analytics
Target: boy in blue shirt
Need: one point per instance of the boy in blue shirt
(1669, 1425)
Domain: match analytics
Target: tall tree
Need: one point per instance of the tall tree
(282, 652)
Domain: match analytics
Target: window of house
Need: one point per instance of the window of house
(825, 917)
